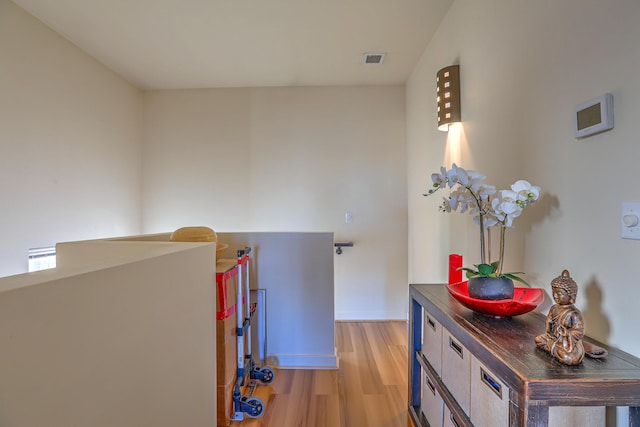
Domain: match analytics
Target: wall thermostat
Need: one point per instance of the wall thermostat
(594, 116)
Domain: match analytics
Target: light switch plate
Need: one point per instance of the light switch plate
(630, 221)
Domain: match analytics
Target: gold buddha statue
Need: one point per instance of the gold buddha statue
(564, 324)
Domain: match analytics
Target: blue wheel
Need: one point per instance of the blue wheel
(266, 375)
(256, 407)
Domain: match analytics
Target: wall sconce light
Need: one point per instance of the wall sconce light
(448, 96)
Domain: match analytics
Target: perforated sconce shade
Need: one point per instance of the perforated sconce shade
(448, 96)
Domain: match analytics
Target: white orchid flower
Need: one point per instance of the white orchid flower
(476, 179)
(506, 210)
(484, 190)
(473, 208)
(509, 207)
(496, 210)
(509, 195)
(488, 221)
(453, 204)
(439, 179)
(510, 217)
(526, 192)
(457, 176)
(464, 206)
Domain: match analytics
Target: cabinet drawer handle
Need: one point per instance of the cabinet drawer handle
(491, 383)
(431, 323)
(456, 347)
(453, 420)
(431, 387)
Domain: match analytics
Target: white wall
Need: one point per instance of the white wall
(521, 80)
(289, 159)
(525, 66)
(70, 137)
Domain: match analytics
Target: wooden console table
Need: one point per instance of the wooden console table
(533, 381)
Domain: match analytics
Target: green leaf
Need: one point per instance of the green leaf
(513, 276)
(470, 273)
(485, 269)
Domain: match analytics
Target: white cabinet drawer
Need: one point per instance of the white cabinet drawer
(489, 397)
(432, 405)
(450, 420)
(432, 342)
(456, 369)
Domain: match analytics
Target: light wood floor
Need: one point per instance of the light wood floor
(369, 389)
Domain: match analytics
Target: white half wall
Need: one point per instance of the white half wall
(129, 341)
(296, 271)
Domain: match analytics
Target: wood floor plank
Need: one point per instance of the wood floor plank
(381, 350)
(325, 382)
(370, 378)
(352, 407)
(369, 389)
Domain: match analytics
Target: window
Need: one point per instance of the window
(42, 258)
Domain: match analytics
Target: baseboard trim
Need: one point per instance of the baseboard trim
(303, 361)
(362, 316)
(371, 321)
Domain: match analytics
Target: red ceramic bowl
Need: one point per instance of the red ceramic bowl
(523, 301)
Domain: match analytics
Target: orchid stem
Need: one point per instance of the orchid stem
(502, 234)
(489, 245)
(482, 257)
(481, 215)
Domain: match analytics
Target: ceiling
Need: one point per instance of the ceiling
(170, 44)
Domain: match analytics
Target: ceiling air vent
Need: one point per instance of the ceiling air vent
(373, 58)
